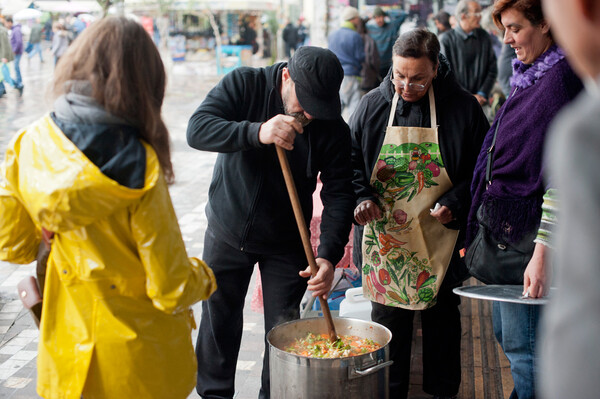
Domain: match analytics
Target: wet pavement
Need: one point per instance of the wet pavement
(188, 83)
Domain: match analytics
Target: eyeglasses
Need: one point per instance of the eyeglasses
(413, 86)
(475, 14)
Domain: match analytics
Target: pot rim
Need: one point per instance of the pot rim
(371, 324)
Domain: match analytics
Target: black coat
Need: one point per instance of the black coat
(462, 127)
(249, 206)
(472, 59)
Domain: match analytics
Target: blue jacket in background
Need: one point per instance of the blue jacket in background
(385, 37)
(349, 47)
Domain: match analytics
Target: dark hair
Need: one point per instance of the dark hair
(443, 18)
(418, 43)
(531, 9)
(8, 19)
(120, 60)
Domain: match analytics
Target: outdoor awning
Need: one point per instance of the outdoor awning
(213, 5)
(87, 6)
(9, 7)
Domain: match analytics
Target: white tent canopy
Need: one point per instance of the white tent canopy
(10, 7)
(27, 13)
(87, 6)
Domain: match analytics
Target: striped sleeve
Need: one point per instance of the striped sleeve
(549, 218)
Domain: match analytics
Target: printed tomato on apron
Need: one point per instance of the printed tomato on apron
(406, 253)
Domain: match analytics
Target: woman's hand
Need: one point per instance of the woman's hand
(537, 277)
(366, 211)
(320, 284)
(443, 215)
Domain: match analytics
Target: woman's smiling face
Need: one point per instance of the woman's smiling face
(529, 41)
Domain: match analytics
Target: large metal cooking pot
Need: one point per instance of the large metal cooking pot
(300, 377)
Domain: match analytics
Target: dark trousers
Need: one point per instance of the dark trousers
(441, 345)
(220, 332)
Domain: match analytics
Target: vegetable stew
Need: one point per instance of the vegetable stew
(319, 345)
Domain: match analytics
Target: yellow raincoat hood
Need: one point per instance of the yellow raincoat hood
(116, 321)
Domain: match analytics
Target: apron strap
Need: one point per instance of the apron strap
(393, 110)
(432, 108)
(432, 111)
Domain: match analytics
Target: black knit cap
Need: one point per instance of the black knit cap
(317, 75)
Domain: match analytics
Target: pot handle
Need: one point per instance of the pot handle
(356, 373)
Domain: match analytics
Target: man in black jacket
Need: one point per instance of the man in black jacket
(250, 217)
(469, 50)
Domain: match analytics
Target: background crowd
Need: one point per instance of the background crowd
(433, 144)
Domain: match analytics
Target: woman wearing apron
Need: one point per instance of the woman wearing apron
(415, 143)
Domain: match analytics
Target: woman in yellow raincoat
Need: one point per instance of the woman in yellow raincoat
(116, 315)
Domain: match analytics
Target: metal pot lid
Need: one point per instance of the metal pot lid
(501, 293)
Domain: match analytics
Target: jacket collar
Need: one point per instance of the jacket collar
(462, 34)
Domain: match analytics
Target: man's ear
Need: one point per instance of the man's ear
(285, 73)
(590, 9)
(545, 26)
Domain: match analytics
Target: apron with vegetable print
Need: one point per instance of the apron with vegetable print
(406, 253)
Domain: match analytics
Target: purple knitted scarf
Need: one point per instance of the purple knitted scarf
(513, 201)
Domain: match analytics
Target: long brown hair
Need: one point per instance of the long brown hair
(117, 56)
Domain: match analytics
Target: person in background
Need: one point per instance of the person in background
(487, 24)
(48, 29)
(16, 42)
(78, 25)
(266, 36)
(505, 71)
(570, 353)
(442, 22)
(290, 38)
(60, 41)
(516, 203)
(296, 106)
(470, 52)
(349, 47)
(303, 33)
(6, 56)
(415, 140)
(119, 286)
(35, 38)
(385, 34)
(369, 73)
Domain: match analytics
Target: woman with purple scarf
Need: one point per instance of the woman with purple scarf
(541, 85)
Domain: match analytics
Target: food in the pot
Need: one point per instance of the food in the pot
(319, 345)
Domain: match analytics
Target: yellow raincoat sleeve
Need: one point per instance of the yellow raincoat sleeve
(19, 236)
(174, 282)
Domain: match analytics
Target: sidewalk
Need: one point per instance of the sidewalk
(188, 84)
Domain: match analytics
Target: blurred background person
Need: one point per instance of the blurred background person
(470, 51)
(514, 201)
(385, 32)
(35, 38)
(6, 56)
(119, 286)
(16, 42)
(60, 40)
(290, 38)
(369, 73)
(349, 47)
(442, 22)
(303, 33)
(570, 353)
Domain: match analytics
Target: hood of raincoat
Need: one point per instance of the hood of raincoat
(80, 164)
